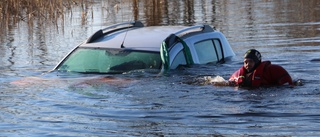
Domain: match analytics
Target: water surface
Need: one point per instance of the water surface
(143, 104)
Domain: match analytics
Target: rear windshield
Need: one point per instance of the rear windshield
(86, 60)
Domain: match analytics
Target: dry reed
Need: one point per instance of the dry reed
(14, 11)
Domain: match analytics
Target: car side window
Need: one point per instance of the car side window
(202, 48)
(219, 49)
(180, 59)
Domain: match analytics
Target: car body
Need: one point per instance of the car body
(131, 46)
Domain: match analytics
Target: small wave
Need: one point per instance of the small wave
(315, 60)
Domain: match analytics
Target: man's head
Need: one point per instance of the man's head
(252, 59)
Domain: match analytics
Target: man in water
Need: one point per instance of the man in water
(255, 73)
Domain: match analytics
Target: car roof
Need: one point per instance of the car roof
(141, 38)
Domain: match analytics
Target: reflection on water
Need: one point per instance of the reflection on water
(143, 104)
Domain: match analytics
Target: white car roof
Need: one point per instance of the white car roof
(144, 38)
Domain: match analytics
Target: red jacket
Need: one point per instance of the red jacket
(266, 74)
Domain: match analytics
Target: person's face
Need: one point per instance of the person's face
(248, 64)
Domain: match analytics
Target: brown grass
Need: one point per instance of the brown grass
(26, 10)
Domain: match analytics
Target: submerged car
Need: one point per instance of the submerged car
(131, 46)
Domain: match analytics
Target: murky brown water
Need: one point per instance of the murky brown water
(285, 32)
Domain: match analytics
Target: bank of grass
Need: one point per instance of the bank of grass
(44, 10)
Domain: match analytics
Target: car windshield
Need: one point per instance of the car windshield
(89, 60)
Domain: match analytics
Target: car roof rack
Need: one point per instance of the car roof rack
(114, 28)
(171, 39)
(197, 28)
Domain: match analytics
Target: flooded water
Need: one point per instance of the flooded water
(142, 104)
